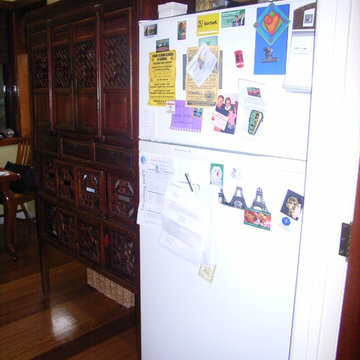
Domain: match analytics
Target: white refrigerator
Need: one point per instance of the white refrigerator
(223, 124)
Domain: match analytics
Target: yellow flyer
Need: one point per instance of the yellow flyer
(208, 24)
(162, 76)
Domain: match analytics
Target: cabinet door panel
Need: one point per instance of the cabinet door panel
(41, 109)
(120, 252)
(116, 74)
(66, 229)
(40, 79)
(51, 223)
(62, 78)
(63, 110)
(86, 112)
(85, 75)
(90, 241)
(117, 119)
(48, 175)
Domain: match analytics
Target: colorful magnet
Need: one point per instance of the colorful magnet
(216, 174)
(255, 119)
(181, 30)
(271, 23)
(292, 205)
(271, 40)
(258, 218)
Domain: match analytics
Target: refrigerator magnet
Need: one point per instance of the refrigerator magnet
(181, 30)
(271, 40)
(261, 217)
(285, 223)
(237, 201)
(255, 119)
(216, 174)
(150, 30)
(239, 59)
(292, 205)
(162, 45)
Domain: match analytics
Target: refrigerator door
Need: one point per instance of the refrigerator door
(285, 114)
(246, 311)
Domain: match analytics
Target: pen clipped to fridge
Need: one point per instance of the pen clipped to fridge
(223, 141)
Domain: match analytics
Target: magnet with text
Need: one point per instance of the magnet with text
(292, 205)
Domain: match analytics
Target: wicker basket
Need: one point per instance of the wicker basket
(110, 289)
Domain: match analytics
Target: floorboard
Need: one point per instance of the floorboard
(74, 322)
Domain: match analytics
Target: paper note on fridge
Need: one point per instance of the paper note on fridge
(155, 173)
(202, 64)
(186, 222)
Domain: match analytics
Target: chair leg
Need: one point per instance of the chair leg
(26, 213)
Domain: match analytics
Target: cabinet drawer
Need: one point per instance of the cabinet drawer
(114, 155)
(91, 192)
(65, 182)
(47, 143)
(121, 198)
(77, 149)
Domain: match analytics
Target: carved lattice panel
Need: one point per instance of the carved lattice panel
(62, 67)
(65, 178)
(116, 61)
(66, 229)
(51, 220)
(121, 199)
(40, 69)
(121, 253)
(89, 241)
(90, 184)
(49, 176)
(85, 64)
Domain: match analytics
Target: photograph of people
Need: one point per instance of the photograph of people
(226, 107)
(241, 21)
(181, 30)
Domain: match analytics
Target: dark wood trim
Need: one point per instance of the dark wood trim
(349, 334)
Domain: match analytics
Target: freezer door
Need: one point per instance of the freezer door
(266, 119)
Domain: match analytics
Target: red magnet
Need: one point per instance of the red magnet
(239, 60)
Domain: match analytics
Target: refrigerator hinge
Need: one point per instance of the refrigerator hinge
(345, 240)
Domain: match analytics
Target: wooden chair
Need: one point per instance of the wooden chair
(24, 157)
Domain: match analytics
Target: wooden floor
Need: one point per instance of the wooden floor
(74, 322)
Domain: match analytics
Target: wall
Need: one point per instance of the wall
(333, 158)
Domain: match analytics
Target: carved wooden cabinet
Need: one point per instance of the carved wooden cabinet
(83, 60)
